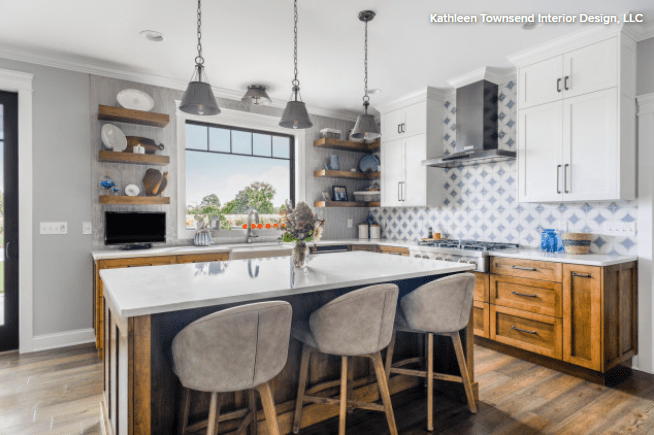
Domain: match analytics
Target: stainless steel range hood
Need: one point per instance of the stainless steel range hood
(476, 128)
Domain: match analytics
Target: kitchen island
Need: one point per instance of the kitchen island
(146, 307)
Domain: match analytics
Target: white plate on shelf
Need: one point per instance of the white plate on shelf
(132, 190)
(135, 100)
(113, 138)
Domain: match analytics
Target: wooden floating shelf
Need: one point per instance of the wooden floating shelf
(129, 116)
(322, 204)
(347, 145)
(346, 174)
(133, 159)
(156, 200)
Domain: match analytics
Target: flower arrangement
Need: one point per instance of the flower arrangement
(300, 223)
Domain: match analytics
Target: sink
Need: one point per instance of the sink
(259, 250)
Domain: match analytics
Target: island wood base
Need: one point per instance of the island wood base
(141, 392)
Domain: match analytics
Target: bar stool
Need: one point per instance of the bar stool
(240, 348)
(359, 323)
(441, 307)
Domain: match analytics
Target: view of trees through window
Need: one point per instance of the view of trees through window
(221, 163)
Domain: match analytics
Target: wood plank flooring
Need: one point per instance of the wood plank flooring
(59, 392)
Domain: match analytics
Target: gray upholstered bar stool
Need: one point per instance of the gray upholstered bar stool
(359, 323)
(240, 348)
(441, 307)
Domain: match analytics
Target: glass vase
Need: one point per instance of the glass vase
(300, 255)
(107, 185)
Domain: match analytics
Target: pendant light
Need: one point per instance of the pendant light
(295, 115)
(198, 98)
(256, 95)
(366, 127)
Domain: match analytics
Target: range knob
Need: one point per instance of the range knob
(473, 262)
(417, 256)
(463, 260)
(448, 258)
(438, 257)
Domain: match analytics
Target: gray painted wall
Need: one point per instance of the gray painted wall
(62, 170)
(645, 71)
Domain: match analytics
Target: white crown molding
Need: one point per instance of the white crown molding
(645, 104)
(415, 97)
(120, 72)
(489, 73)
(568, 42)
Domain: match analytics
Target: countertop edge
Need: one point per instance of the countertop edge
(535, 255)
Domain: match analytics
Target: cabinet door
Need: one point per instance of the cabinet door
(540, 83)
(391, 124)
(592, 68)
(391, 173)
(539, 153)
(591, 149)
(414, 187)
(414, 119)
(582, 320)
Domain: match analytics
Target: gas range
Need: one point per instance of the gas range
(460, 251)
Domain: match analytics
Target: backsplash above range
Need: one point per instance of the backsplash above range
(481, 201)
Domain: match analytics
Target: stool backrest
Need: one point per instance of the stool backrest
(357, 323)
(234, 349)
(442, 305)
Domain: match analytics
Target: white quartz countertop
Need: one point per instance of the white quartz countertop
(108, 254)
(158, 289)
(588, 259)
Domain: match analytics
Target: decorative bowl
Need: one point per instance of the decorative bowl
(577, 243)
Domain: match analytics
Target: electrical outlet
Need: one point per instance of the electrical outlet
(620, 229)
(54, 228)
(87, 228)
(350, 222)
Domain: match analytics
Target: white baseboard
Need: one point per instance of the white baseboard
(62, 339)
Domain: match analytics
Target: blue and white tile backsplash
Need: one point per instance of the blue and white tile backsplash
(481, 201)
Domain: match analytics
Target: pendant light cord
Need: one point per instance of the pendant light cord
(295, 82)
(199, 60)
(366, 98)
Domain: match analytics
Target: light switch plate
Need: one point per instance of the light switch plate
(350, 222)
(620, 229)
(87, 228)
(54, 228)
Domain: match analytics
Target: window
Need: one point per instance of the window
(230, 171)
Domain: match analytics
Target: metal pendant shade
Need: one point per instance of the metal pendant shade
(256, 95)
(198, 99)
(295, 115)
(366, 127)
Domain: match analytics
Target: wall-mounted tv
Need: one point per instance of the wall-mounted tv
(132, 227)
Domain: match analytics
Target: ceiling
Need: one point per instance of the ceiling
(251, 41)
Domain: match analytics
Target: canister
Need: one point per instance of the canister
(363, 231)
(375, 231)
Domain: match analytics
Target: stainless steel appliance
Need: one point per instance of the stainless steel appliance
(461, 251)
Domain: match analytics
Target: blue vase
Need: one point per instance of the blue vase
(549, 240)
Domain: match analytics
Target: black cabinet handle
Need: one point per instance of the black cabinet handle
(524, 330)
(558, 177)
(558, 84)
(565, 178)
(524, 294)
(581, 275)
(399, 130)
(565, 83)
(530, 269)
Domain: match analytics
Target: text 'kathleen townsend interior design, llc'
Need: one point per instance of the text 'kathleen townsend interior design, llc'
(536, 18)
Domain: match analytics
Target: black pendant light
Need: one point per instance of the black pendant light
(295, 115)
(366, 127)
(198, 98)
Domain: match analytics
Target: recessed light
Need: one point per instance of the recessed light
(532, 26)
(152, 35)
(374, 91)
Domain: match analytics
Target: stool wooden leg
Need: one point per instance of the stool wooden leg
(430, 382)
(384, 392)
(304, 375)
(214, 411)
(389, 356)
(343, 405)
(185, 405)
(350, 382)
(252, 404)
(463, 368)
(269, 408)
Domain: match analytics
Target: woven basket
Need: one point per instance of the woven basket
(577, 243)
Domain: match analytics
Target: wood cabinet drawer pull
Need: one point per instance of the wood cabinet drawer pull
(581, 275)
(530, 269)
(524, 294)
(524, 330)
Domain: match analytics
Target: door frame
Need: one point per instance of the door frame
(21, 82)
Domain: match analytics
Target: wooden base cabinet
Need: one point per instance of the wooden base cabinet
(481, 319)
(585, 316)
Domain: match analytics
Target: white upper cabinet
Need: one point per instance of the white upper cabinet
(412, 132)
(577, 143)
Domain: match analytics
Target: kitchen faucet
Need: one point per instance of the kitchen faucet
(250, 233)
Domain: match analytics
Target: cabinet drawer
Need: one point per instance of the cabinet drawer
(546, 270)
(481, 287)
(201, 258)
(528, 331)
(367, 248)
(394, 250)
(136, 262)
(536, 296)
(481, 319)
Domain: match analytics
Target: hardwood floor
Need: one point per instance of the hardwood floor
(59, 392)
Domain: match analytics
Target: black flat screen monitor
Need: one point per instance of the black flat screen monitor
(125, 228)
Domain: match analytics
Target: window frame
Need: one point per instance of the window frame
(238, 120)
